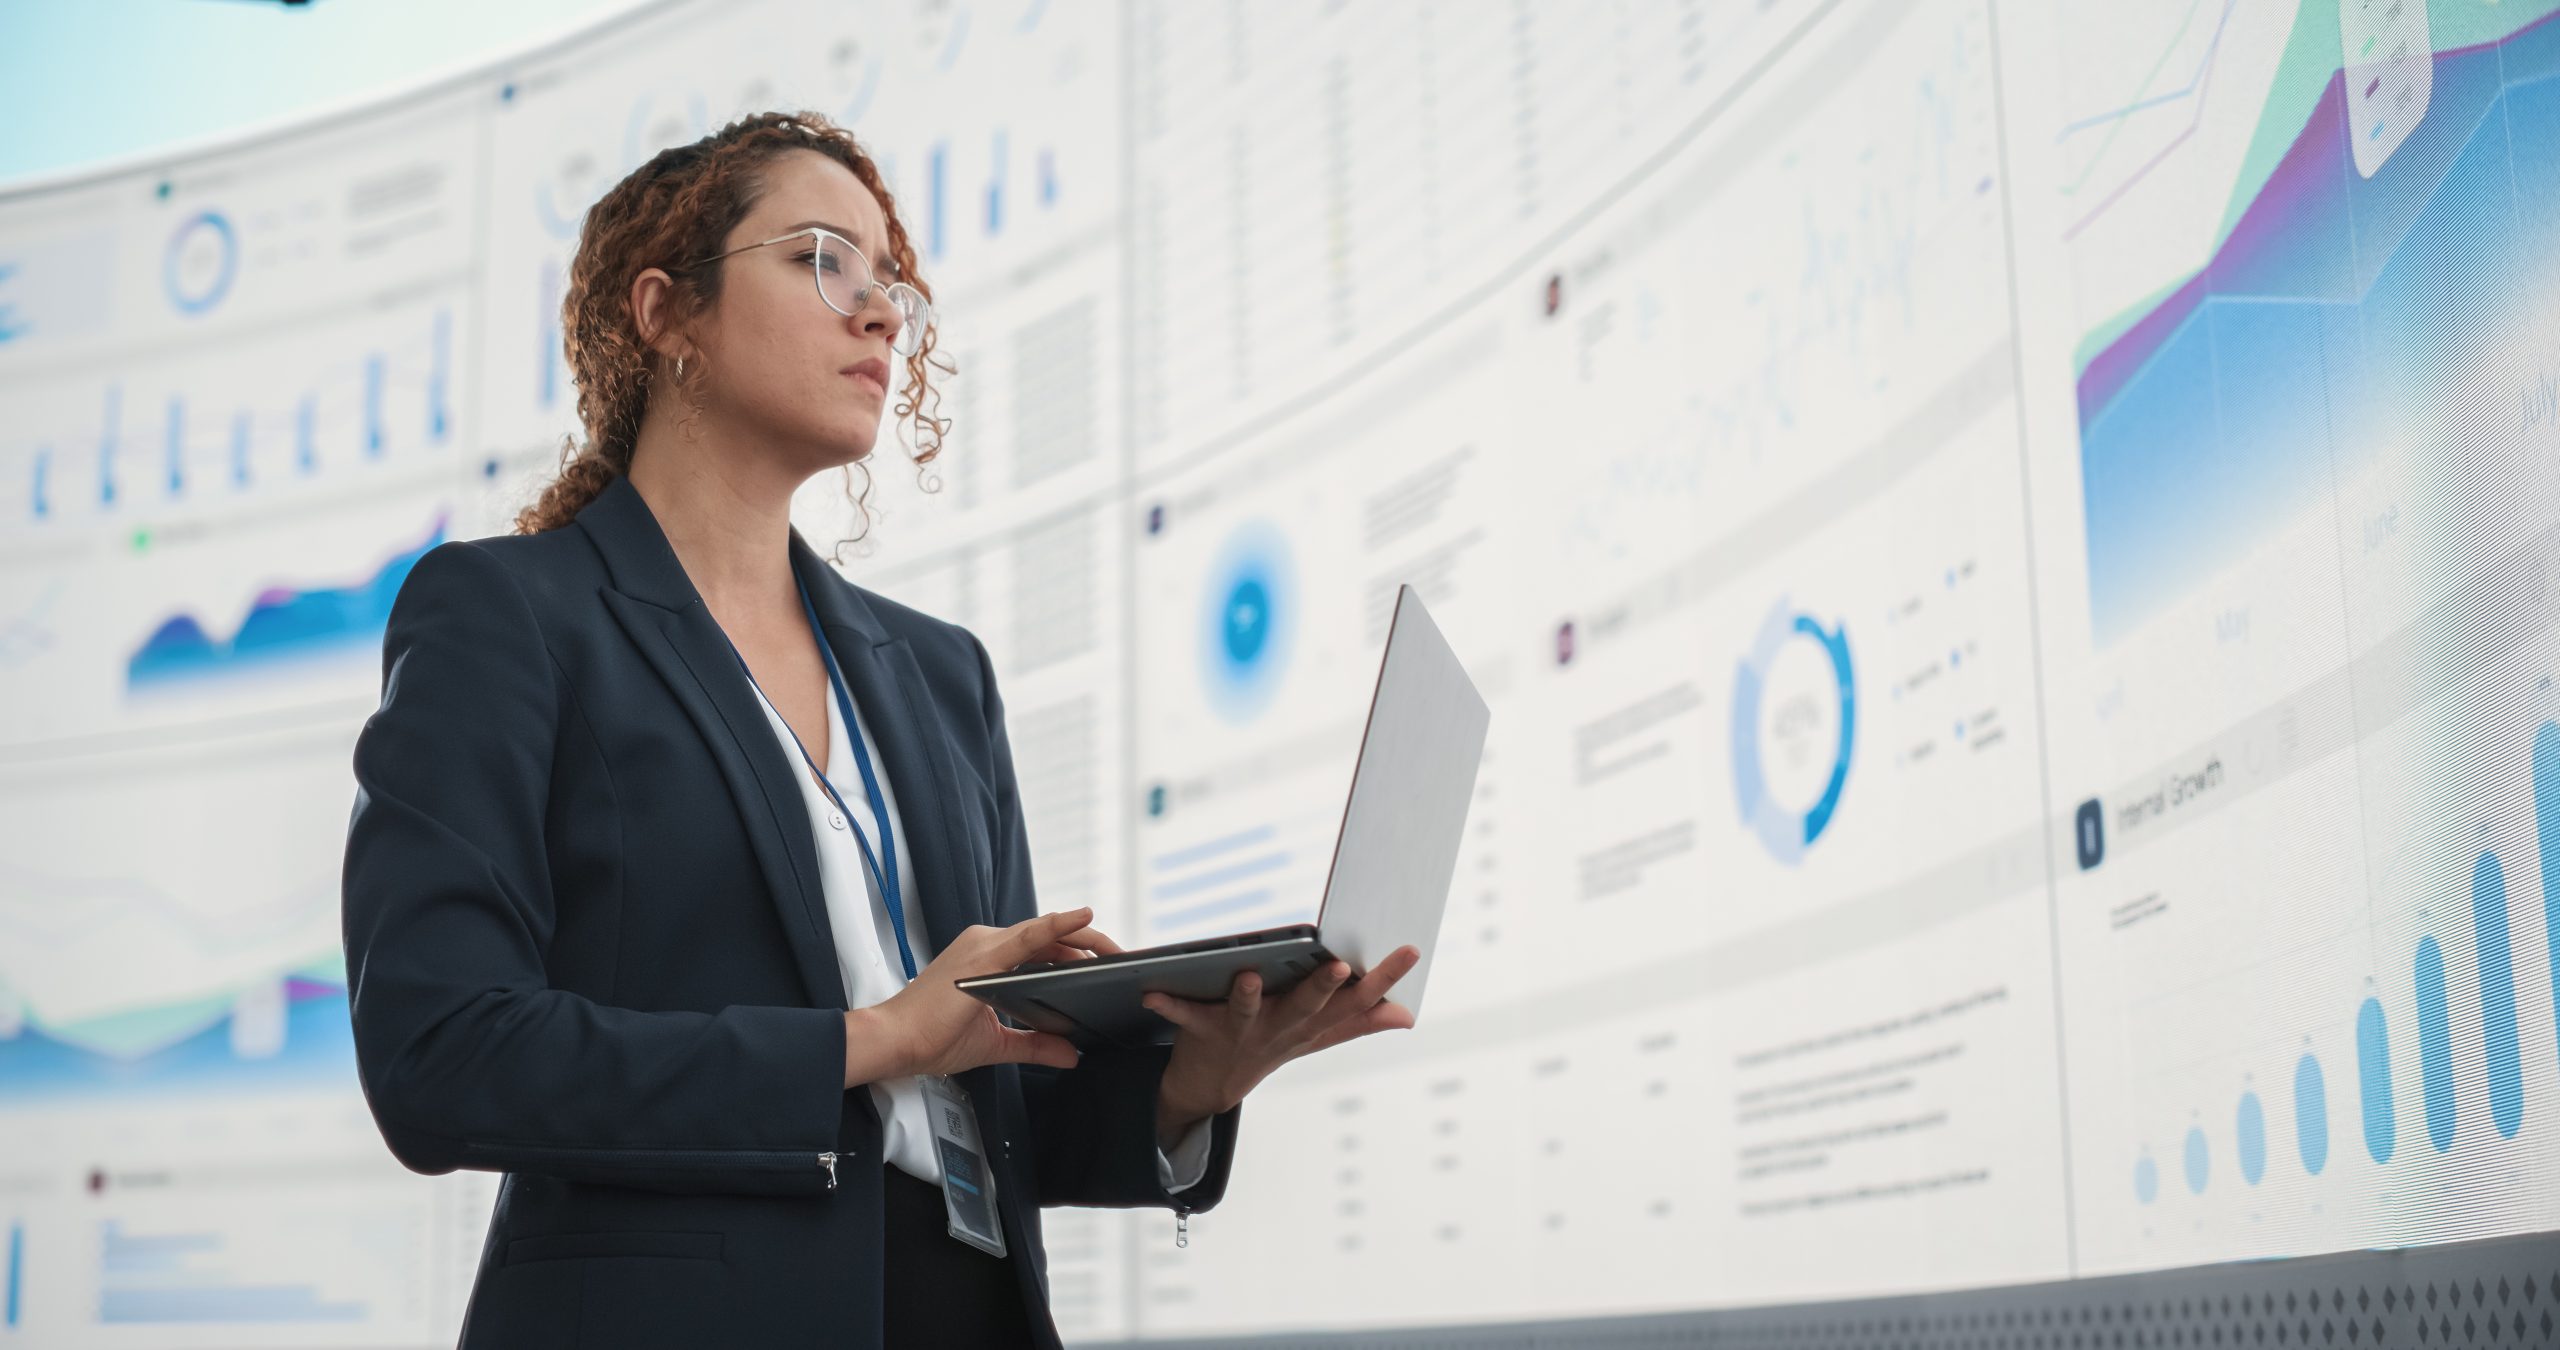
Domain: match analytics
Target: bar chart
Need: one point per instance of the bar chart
(2444, 1064)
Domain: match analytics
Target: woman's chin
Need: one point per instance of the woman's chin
(862, 434)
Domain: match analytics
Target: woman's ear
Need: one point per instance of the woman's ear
(650, 292)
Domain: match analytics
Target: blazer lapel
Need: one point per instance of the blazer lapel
(655, 603)
(885, 681)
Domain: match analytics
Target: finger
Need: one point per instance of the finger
(1314, 992)
(1184, 1013)
(1059, 952)
(1032, 934)
(1352, 1001)
(1091, 939)
(1381, 978)
(1384, 1017)
(1038, 1047)
(1244, 998)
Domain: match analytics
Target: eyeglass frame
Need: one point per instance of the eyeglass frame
(924, 306)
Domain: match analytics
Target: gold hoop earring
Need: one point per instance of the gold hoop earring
(679, 367)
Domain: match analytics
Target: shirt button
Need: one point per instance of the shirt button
(835, 820)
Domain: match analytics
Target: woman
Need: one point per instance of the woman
(669, 842)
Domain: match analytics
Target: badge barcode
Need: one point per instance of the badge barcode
(962, 1184)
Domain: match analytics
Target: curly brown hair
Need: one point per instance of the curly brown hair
(682, 204)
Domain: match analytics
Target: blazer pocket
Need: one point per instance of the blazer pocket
(563, 1246)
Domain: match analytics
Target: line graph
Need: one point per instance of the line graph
(2232, 401)
(2115, 117)
(2199, 86)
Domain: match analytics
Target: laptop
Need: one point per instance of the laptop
(1392, 860)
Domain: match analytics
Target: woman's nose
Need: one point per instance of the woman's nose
(876, 313)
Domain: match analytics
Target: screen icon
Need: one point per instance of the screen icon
(2089, 830)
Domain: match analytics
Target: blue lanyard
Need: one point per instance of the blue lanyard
(887, 875)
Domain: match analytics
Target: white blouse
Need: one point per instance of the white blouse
(866, 947)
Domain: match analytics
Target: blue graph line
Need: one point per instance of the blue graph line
(1212, 909)
(1250, 867)
(2195, 81)
(1192, 853)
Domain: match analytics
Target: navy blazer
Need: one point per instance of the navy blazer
(587, 947)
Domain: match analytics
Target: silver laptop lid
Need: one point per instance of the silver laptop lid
(1407, 811)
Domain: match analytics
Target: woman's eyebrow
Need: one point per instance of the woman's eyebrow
(830, 225)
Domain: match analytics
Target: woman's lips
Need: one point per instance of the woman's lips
(873, 369)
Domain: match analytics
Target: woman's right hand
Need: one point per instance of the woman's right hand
(930, 1027)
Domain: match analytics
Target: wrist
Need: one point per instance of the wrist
(873, 1049)
(1175, 1117)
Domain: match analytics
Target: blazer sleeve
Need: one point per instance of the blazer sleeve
(468, 1059)
(1092, 1127)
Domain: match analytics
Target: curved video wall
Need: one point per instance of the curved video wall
(2011, 546)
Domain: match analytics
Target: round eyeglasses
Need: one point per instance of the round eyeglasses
(845, 281)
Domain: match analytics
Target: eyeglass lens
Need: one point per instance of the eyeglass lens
(844, 280)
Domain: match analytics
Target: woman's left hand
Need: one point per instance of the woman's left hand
(1220, 1051)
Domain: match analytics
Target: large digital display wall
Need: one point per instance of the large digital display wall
(2011, 546)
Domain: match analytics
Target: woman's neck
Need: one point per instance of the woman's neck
(728, 518)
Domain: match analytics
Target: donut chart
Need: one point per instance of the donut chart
(1784, 827)
(202, 259)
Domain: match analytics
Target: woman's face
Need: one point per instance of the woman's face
(778, 355)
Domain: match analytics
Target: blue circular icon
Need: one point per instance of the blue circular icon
(200, 262)
(1247, 626)
(1783, 829)
(1248, 617)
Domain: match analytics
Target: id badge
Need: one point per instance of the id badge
(968, 1184)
